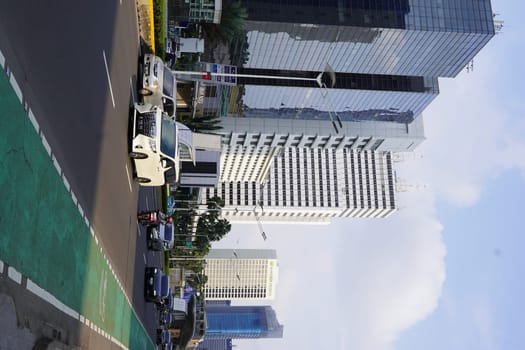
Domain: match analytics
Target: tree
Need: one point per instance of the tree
(202, 124)
(231, 26)
(197, 280)
(210, 223)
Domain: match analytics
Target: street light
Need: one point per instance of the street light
(328, 71)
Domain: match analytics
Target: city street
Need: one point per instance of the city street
(76, 65)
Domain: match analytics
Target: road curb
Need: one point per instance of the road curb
(146, 24)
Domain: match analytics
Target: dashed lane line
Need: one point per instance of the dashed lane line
(13, 274)
(129, 179)
(16, 87)
(109, 79)
(2, 60)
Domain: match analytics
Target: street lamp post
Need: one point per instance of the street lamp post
(319, 80)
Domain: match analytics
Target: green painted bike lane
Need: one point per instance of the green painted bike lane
(44, 236)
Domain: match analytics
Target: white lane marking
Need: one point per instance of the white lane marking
(16, 87)
(109, 79)
(33, 121)
(14, 274)
(46, 145)
(2, 59)
(144, 256)
(102, 295)
(131, 87)
(80, 210)
(45, 295)
(66, 183)
(138, 228)
(147, 204)
(129, 179)
(57, 166)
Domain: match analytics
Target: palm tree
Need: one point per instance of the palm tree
(202, 124)
(231, 26)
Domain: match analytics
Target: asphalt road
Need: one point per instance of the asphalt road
(76, 64)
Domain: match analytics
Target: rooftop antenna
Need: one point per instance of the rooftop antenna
(404, 156)
(403, 185)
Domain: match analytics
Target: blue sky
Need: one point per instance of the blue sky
(481, 306)
(445, 272)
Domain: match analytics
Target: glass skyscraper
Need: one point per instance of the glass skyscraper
(387, 55)
(431, 38)
(236, 322)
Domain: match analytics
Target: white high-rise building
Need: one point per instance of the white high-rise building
(242, 274)
(314, 185)
(250, 145)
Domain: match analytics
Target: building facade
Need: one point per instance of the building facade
(242, 322)
(386, 55)
(250, 145)
(242, 274)
(426, 38)
(314, 185)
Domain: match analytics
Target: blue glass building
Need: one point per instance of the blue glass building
(237, 322)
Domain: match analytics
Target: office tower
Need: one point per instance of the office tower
(241, 322)
(242, 274)
(314, 185)
(386, 55)
(250, 145)
(426, 38)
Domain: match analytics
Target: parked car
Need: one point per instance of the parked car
(159, 86)
(156, 286)
(165, 317)
(154, 146)
(163, 336)
(160, 236)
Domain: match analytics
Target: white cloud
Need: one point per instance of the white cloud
(393, 273)
(355, 283)
(473, 130)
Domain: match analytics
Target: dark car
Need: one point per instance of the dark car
(165, 317)
(160, 236)
(156, 285)
(163, 336)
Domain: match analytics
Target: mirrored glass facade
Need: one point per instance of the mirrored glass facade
(237, 322)
(434, 38)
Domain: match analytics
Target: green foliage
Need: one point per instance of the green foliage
(232, 24)
(202, 124)
(211, 224)
(197, 280)
(158, 29)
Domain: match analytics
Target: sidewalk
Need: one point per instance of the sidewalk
(145, 19)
